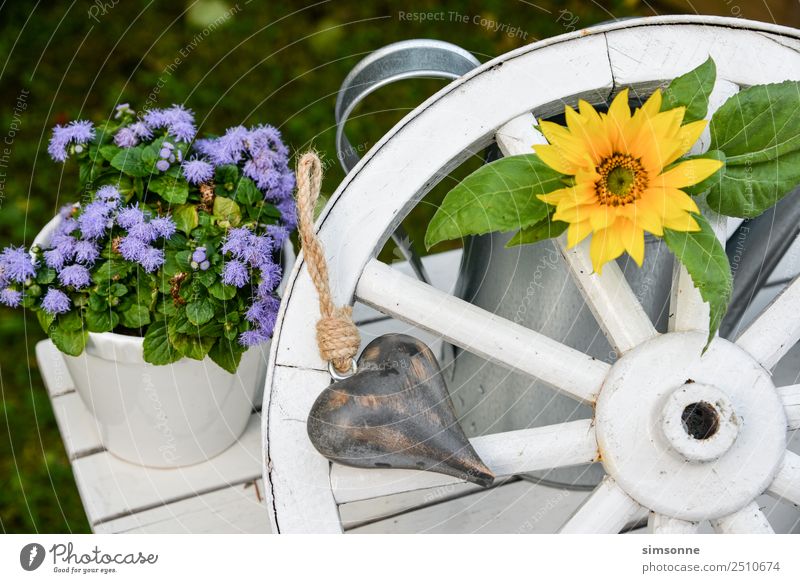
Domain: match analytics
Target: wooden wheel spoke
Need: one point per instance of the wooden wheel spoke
(791, 402)
(481, 332)
(773, 333)
(608, 295)
(506, 454)
(748, 520)
(661, 524)
(787, 481)
(606, 511)
(610, 298)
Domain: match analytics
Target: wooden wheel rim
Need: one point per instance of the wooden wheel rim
(437, 136)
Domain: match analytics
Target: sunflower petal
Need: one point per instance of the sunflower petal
(632, 239)
(577, 232)
(686, 138)
(688, 173)
(606, 246)
(684, 222)
(554, 157)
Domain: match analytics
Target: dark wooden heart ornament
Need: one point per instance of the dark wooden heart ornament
(395, 412)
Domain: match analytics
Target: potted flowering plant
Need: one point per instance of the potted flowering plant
(172, 256)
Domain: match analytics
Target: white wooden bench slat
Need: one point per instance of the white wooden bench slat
(111, 487)
(53, 369)
(239, 509)
(519, 507)
(481, 332)
(77, 425)
(506, 454)
(607, 510)
(362, 512)
(608, 295)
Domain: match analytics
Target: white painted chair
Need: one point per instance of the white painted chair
(636, 431)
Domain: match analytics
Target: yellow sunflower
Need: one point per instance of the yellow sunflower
(620, 186)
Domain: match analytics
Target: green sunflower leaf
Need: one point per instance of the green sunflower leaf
(501, 196)
(704, 258)
(691, 91)
(547, 228)
(749, 190)
(758, 124)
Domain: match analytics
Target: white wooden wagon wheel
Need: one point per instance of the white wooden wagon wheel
(650, 459)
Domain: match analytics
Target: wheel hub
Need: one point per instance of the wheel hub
(690, 435)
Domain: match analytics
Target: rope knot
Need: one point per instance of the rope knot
(337, 335)
(338, 338)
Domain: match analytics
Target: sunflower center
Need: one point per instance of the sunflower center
(623, 179)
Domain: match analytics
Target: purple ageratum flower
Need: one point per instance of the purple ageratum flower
(130, 216)
(235, 273)
(16, 264)
(162, 165)
(199, 255)
(271, 274)
(109, 195)
(63, 240)
(54, 259)
(94, 220)
(227, 149)
(144, 232)
(132, 248)
(165, 153)
(177, 120)
(288, 212)
(259, 251)
(10, 297)
(163, 226)
(269, 162)
(76, 132)
(64, 228)
(66, 211)
(126, 138)
(263, 311)
(86, 252)
(278, 233)
(151, 259)
(55, 302)
(141, 130)
(76, 276)
(183, 131)
(253, 338)
(197, 171)
(237, 242)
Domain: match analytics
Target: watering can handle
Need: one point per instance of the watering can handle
(401, 60)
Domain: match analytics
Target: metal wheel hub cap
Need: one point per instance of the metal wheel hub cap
(693, 436)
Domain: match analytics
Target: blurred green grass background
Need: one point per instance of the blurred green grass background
(273, 61)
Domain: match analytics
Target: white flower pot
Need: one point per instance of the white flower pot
(164, 416)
